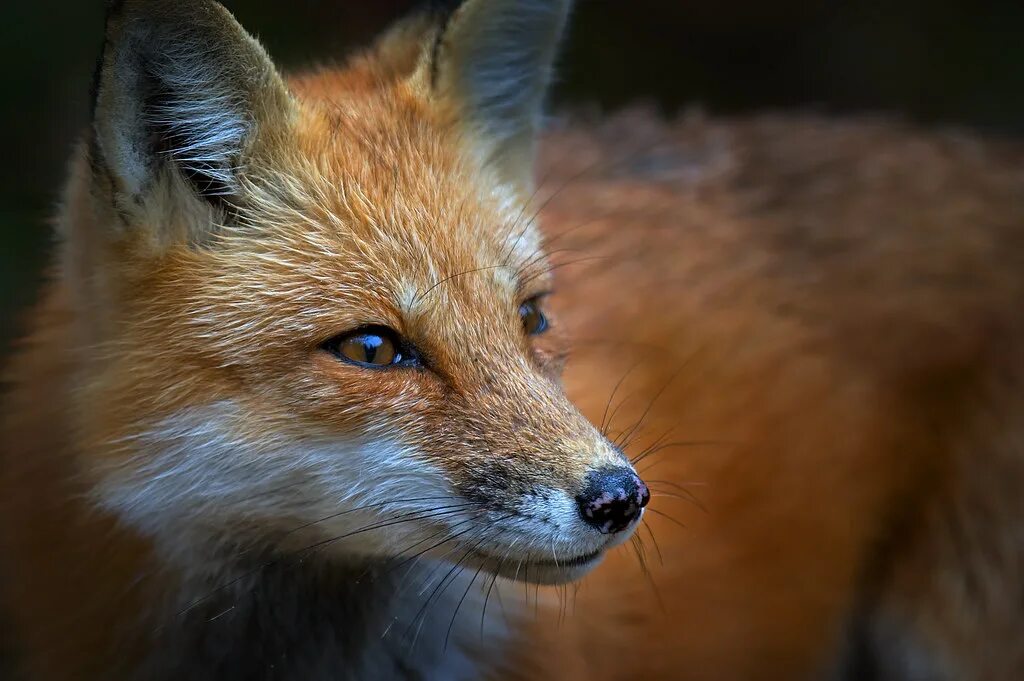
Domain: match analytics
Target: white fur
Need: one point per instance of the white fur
(192, 476)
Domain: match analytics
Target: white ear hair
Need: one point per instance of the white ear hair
(180, 83)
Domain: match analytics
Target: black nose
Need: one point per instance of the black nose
(612, 499)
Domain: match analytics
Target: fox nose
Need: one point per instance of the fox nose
(612, 499)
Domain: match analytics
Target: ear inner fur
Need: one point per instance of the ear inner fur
(491, 62)
(184, 89)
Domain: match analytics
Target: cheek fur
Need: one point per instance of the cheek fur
(199, 480)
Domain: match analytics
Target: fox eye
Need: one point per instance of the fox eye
(376, 347)
(534, 321)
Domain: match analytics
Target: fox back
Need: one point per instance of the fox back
(296, 402)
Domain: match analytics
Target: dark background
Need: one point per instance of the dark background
(956, 63)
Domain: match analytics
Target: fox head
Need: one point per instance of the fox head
(312, 312)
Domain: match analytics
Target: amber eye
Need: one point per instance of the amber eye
(534, 321)
(376, 347)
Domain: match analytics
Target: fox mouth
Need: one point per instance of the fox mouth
(569, 562)
(540, 570)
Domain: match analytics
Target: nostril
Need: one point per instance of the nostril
(612, 499)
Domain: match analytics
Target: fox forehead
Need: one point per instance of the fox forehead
(363, 214)
(384, 191)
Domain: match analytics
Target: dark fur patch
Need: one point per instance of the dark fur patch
(114, 7)
(859, 661)
(94, 86)
(296, 619)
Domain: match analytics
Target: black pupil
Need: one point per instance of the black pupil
(371, 344)
(533, 320)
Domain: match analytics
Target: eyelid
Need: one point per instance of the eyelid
(537, 297)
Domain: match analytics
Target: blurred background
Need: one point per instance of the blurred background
(938, 63)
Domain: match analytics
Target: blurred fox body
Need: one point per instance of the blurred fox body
(823, 318)
(293, 359)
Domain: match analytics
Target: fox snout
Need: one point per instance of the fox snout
(554, 504)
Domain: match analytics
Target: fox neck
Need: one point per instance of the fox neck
(315, 619)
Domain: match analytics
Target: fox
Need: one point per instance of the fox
(379, 371)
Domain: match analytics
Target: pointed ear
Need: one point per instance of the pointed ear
(183, 95)
(492, 61)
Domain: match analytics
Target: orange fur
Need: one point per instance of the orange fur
(805, 330)
(817, 314)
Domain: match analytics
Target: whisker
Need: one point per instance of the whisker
(677, 485)
(538, 256)
(220, 614)
(388, 523)
(374, 505)
(667, 516)
(522, 212)
(688, 499)
(586, 223)
(679, 443)
(559, 266)
(420, 296)
(533, 218)
(653, 401)
(459, 605)
(649, 578)
(640, 552)
(604, 417)
(439, 544)
(441, 587)
(487, 597)
(657, 549)
(656, 443)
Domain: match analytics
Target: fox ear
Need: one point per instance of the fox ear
(492, 61)
(182, 95)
